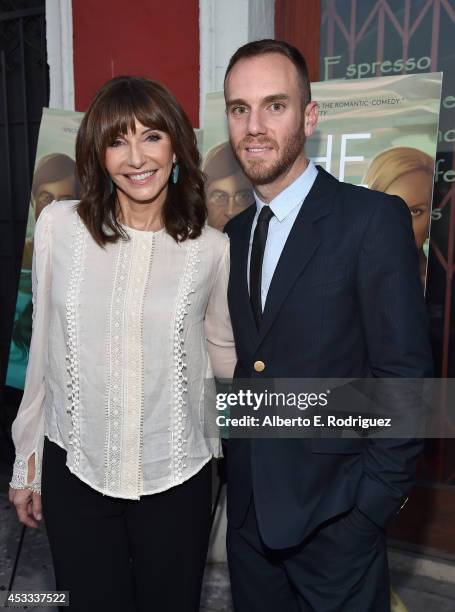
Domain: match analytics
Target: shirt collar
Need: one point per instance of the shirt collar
(294, 194)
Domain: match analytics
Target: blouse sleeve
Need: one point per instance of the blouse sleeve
(28, 427)
(218, 330)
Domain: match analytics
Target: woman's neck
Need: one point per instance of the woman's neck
(140, 216)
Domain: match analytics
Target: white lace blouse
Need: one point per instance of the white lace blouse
(123, 340)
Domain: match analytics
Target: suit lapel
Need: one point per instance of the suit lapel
(300, 247)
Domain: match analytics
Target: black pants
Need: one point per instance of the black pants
(340, 568)
(126, 555)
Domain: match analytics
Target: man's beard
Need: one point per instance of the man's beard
(258, 172)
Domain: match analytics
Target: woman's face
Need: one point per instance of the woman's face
(227, 197)
(416, 188)
(140, 165)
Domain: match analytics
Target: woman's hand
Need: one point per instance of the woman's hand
(26, 502)
(28, 506)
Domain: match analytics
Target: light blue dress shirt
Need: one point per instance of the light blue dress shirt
(285, 207)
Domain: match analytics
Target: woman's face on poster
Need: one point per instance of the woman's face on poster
(416, 189)
(227, 197)
(64, 189)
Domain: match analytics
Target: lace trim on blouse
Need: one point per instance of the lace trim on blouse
(125, 391)
(180, 380)
(20, 474)
(72, 343)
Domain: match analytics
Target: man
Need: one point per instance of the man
(228, 190)
(324, 284)
(55, 178)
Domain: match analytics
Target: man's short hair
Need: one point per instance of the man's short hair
(269, 45)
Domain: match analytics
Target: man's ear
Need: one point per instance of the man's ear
(311, 115)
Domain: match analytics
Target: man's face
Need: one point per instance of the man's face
(267, 122)
(65, 189)
(227, 197)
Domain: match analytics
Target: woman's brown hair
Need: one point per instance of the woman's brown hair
(112, 113)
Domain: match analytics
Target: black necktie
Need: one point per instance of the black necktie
(257, 255)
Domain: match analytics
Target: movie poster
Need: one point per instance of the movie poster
(54, 178)
(380, 133)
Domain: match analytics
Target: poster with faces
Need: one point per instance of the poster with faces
(54, 178)
(381, 133)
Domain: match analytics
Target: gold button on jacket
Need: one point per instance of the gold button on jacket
(259, 366)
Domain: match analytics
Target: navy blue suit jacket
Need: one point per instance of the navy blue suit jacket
(345, 301)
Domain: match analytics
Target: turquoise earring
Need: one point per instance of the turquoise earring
(175, 173)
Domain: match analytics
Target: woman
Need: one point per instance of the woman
(408, 173)
(228, 190)
(130, 317)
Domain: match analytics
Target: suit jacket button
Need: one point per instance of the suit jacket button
(259, 366)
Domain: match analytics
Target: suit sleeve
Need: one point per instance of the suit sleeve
(394, 319)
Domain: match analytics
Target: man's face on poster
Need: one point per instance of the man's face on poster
(227, 197)
(63, 189)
